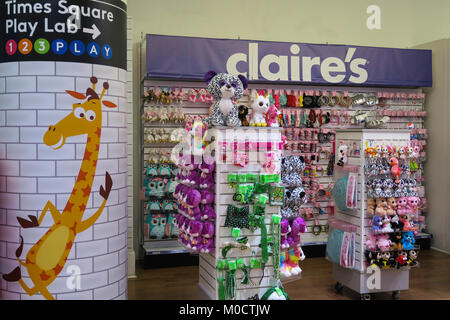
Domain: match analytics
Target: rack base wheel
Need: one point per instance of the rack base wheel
(395, 295)
(338, 287)
(366, 296)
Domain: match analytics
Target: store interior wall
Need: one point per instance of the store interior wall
(437, 181)
(403, 24)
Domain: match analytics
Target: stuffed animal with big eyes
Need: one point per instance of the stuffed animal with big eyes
(224, 88)
(260, 106)
(243, 112)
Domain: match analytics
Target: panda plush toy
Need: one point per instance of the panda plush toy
(224, 88)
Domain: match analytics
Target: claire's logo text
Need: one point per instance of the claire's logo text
(294, 67)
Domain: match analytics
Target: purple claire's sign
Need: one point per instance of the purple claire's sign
(173, 57)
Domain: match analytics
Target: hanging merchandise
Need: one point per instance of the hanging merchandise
(385, 215)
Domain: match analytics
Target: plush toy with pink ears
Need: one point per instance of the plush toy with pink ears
(272, 116)
(285, 229)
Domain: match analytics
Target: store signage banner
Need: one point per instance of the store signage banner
(174, 57)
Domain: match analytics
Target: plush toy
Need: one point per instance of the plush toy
(395, 223)
(391, 206)
(195, 230)
(402, 205)
(376, 224)
(243, 112)
(386, 227)
(193, 179)
(284, 263)
(396, 239)
(224, 88)
(371, 242)
(412, 258)
(272, 116)
(260, 106)
(413, 204)
(193, 198)
(298, 226)
(370, 206)
(342, 154)
(382, 205)
(206, 197)
(172, 226)
(402, 259)
(395, 169)
(385, 257)
(157, 227)
(208, 212)
(156, 187)
(408, 240)
(207, 237)
(388, 188)
(206, 181)
(295, 255)
(285, 230)
(383, 243)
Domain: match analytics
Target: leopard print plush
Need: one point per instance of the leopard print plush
(224, 111)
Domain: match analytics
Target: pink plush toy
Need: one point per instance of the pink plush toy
(413, 204)
(402, 204)
(207, 237)
(285, 229)
(384, 243)
(371, 242)
(272, 116)
(195, 230)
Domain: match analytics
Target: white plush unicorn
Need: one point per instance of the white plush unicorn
(260, 107)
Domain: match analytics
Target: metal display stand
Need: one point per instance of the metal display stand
(360, 279)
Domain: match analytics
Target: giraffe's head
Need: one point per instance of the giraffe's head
(86, 117)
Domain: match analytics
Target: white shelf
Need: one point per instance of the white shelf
(170, 246)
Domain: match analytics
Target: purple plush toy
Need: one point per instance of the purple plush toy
(208, 212)
(193, 179)
(207, 197)
(184, 235)
(207, 237)
(207, 166)
(377, 223)
(285, 229)
(298, 227)
(193, 198)
(195, 230)
(206, 181)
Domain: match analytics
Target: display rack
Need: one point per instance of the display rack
(223, 197)
(358, 278)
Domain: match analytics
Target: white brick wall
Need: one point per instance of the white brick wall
(32, 96)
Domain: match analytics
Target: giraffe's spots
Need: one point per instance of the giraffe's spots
(74, 191)
(57, 269)
(74, 228)
(82, 207)
(94, 163)
(87, 155)
(27, 260)
(44, 276)
(88, 140)
(97, 147)
(69, 245)
(98, 132)
(82, 175)
(86, 191)
(68, 207)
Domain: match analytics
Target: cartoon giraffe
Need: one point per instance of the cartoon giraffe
(45, 260)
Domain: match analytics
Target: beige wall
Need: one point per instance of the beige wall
(438, 149)
(404, 23)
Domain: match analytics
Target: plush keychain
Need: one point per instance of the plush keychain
(342, 152)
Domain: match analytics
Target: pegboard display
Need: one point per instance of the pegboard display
(359, 218)
(245, 262)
